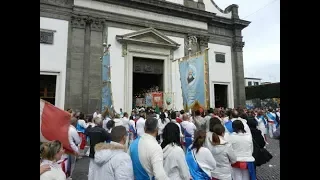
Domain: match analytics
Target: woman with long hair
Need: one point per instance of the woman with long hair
(213, 121)
(51, 153)
(199, 158)
(162, 122)
(241, 141)
(174, 160)
(223, 153)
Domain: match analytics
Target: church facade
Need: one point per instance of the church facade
(164, 30)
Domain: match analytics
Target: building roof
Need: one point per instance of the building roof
(252, 78)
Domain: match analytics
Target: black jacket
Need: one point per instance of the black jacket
(97, 135)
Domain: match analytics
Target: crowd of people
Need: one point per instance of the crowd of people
(219, 144)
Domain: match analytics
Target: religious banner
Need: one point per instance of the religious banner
(106, 82)
(140, 102)
(148, 97)
(194, 79)
(168, 100)
(157, 99)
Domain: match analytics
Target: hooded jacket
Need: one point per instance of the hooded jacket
(224, 156)
(174, 163)
(112, 162)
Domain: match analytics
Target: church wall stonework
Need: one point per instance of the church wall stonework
(89, 29)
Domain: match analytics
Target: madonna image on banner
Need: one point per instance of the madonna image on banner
(192, 75)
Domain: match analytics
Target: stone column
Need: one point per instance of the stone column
(74, 80)
(238, 74)
(86, 65)
(237, 60)
(95, 69)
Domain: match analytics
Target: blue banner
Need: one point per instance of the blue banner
(193, 78)
(106, 83)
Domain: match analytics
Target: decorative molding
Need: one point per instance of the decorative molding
(233, 8)
(171, 55)
(124, 49)
(191, 41)
(238, 46)
(97, 24)
(145, 37)
(203, 40)
(79, 21)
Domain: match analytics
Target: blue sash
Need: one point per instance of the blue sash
(131, 129)
(187, 138)
(138, 170)
(195, 170)
(263, 119)
(228, 125)
(252, 171)
(273, 118)
(80, 128)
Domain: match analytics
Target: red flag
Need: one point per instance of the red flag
(54, 124)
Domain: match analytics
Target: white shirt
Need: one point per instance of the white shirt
(189, 127)
(117, 122)
(174, 163)
(95, 114)
(74, 138)
(55, 172)
(91, 123)
(278, 114)
(242, 145)
(82, 123)
(140, 126)
(125, 123)
(205, 160)
(244, 122)
(151, 157)
(133, 124)
(104, 123)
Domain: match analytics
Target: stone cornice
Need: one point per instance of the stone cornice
(168, 8)
(137, 21)
(237, 46)
(58, 9)
(61, 3)
(165, 7)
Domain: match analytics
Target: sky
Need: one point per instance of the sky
(261, 53)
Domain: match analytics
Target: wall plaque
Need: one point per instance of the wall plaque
(46, 36)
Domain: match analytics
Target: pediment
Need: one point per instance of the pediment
(149, 36)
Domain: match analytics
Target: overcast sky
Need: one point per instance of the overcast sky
(261, 54)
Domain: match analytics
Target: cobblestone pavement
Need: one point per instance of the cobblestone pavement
(269, 171)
